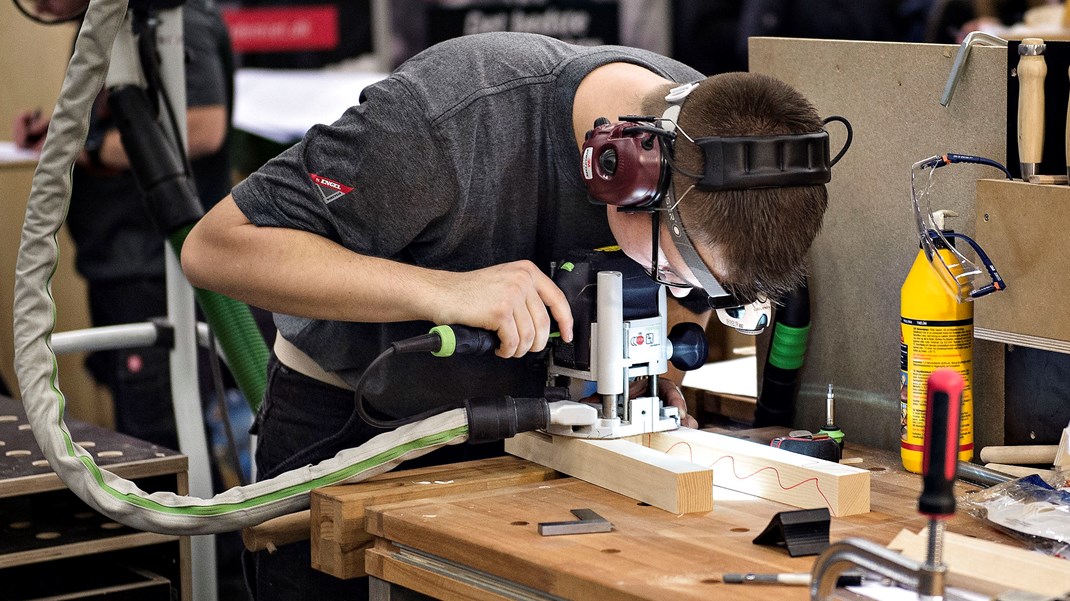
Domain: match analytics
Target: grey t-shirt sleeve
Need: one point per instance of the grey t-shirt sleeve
(353, 181)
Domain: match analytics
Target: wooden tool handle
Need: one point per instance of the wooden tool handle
(1020, 455)
(1031, 73)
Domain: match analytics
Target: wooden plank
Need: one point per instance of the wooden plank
(991, 563)
(624, 467)
(767, 472)
(90, 547)
(338, 531)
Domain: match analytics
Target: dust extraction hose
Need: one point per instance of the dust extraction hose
(787, 352)
(38, 369)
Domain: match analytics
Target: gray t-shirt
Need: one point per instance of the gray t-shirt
(465, 157)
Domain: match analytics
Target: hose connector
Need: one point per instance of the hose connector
(497, 418)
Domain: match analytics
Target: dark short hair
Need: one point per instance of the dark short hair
(762, 235)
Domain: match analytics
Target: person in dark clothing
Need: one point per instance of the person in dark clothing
(444, 196)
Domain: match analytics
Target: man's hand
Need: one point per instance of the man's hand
(29, 130)
(514, 300)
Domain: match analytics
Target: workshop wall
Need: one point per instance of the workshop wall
(891, 94)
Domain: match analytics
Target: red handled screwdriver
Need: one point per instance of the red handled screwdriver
(939, 466)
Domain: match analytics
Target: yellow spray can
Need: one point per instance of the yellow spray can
(936, 331)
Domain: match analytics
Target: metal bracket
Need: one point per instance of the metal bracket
(588, 522)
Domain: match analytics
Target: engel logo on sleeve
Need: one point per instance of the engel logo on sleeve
(329, 189)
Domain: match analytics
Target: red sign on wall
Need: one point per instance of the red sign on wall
(311, 27)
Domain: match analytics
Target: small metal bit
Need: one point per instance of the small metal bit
(830, 407)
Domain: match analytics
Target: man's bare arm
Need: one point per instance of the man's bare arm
(300, 273)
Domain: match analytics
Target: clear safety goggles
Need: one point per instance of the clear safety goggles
(956, 272)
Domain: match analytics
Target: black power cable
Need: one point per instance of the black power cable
(489, 418)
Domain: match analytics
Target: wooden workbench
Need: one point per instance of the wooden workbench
(442, 547)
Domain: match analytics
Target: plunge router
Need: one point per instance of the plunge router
(620, 328)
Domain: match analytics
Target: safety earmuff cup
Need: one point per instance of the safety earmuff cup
(623, 164)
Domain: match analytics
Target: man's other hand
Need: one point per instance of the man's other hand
(29, 130)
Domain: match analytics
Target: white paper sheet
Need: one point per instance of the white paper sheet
(9, 153)
(281, 105)
(736, 377)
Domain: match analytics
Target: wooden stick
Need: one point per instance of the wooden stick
(276, 532)
(1039, 454)
(1031, 73)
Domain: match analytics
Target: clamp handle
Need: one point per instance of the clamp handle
(940, 459)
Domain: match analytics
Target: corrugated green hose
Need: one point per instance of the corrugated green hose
(233, 325)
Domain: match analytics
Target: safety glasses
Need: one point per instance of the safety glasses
(955, 271)
(658, 270)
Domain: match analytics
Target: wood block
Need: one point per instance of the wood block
(767, 472)
(338, 534)
(624, 467)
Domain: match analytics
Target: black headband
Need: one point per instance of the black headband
(735, 163)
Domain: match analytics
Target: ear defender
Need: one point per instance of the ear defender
(623, 162)
(628, 163)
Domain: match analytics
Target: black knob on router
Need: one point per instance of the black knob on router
(690, 348)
